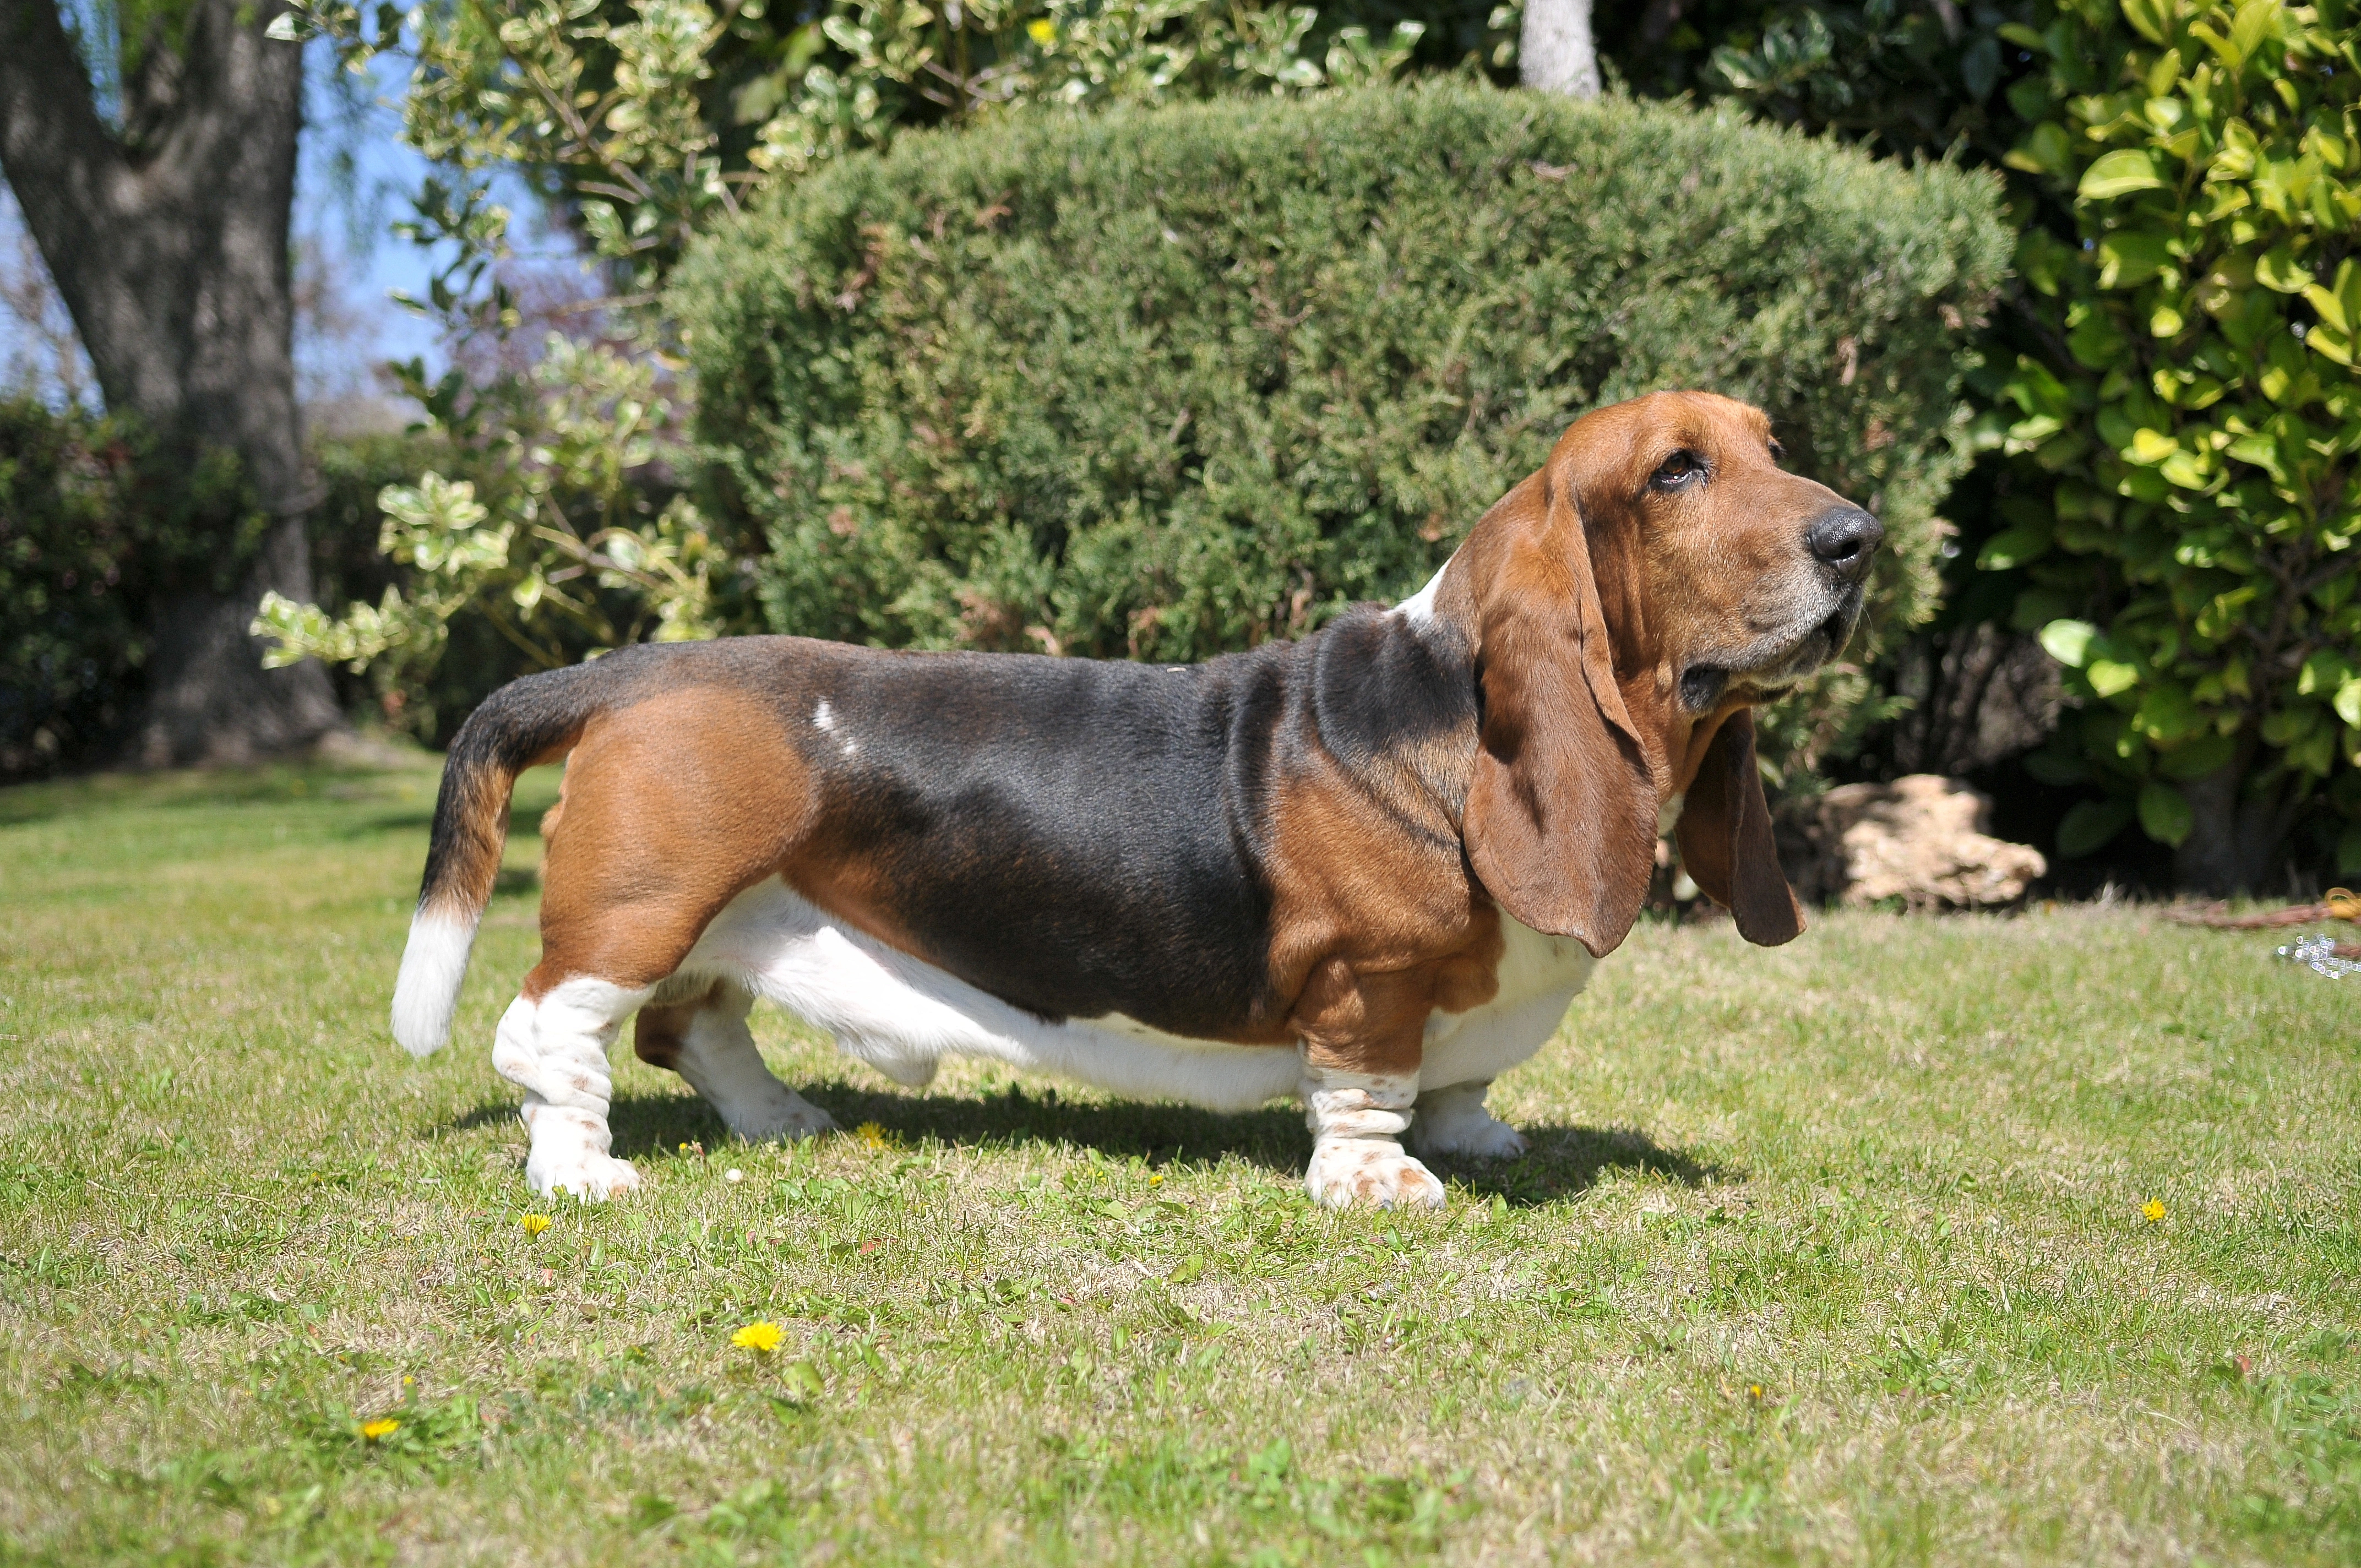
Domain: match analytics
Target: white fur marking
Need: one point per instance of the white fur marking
(1538, 975)
(824, 716)
(433, 963)
(1420, 606)
(557, 1048)
(721, 1062)
(902, 1015)
(1454, 1121)
(1357, 1120)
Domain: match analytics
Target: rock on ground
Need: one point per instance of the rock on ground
(1919, 839)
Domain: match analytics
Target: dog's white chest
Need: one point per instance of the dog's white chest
(1538, 975)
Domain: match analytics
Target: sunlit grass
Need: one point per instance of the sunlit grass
(1967, 1240)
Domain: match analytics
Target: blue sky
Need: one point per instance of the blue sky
(352, 221)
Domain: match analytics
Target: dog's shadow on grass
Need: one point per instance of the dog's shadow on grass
(1563, 1163)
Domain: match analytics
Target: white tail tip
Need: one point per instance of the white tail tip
(426, 995)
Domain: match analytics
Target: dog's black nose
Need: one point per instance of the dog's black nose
(1845, 538)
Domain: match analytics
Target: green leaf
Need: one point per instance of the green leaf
(2044, 261)
(2289, 725)
(2151, 18)
(2278, 269)
(2326, 669)
(2108, 676)
(2166, 713)
(802, 1380)
(2348, 850)
(2090, 825)
(2348, 702)
(2120, 173)
(1980, 68)
(2046, 149)
(2128, 259)
(2164, 813)
(2069, 641)
(2206, 754)
(2257, 19)
(2330, 344)
(2013, 547)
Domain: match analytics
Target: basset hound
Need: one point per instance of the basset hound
(1370, 869)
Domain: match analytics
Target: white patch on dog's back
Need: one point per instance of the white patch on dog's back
(1420, 606)
(903, 1015)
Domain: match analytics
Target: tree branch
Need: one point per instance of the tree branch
(58, 157)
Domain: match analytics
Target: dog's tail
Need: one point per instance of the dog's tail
(525, 723)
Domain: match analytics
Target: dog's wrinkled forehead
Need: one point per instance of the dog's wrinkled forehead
(1619, 448)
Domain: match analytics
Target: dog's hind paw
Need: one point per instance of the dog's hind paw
(594, 1178)
(1453, 1122)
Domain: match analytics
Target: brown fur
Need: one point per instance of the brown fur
(672, 807)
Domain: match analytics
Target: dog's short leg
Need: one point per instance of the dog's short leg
(556, 1048)
(1356, 1121)
(1454, 1121)
(705, 1039)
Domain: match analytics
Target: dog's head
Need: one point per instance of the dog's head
(1630, 602)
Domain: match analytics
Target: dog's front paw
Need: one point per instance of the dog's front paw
(592, 1177)
(1373, 1173)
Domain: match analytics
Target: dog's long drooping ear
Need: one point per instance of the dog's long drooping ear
(1725, 839)
(1561, 824)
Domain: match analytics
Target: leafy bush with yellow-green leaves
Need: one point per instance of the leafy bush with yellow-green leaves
(2185, 500)
(1161, 384)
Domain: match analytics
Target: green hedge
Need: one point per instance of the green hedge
(1162, 383)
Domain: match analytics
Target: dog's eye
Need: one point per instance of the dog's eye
(1778, 452)
(1681, 468)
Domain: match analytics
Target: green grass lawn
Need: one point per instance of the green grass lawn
(1831, 1253)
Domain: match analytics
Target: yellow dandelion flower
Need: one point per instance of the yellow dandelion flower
(1044, 31)
(762, 1338)
(1756, 1392)
(533, 1223)
(2153, 1211)
(873, 1136)
(384, 1426)
(1156, 1180)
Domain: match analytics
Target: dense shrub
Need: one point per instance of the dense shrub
(94, 522)
(2186, 501)
(1164, 383)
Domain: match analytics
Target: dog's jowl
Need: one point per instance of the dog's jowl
(1370, 869)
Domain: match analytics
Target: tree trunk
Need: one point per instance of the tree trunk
(2235, 841)
(168, 244)
(1555, 53)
